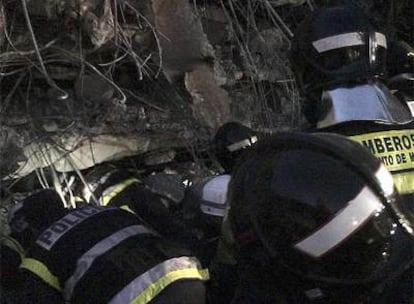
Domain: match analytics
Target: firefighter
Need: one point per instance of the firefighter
(203, 209)
(230, 141)
(98, 254)
(339, 60)
(315, 219)
(400, 68)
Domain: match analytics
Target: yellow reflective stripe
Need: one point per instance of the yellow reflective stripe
(404, 182)
(395, 148)
(113, 191)
(41, 270)
(13, 245)
(148, 285)
(86, 261)
(126, 208)
(154, 289)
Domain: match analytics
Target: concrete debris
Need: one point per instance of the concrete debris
(75, 153)
(181, 36)
(211, 103)
(287, 2)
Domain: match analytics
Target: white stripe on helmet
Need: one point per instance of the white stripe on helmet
(365, 205)
(242, 144)
(346, 40)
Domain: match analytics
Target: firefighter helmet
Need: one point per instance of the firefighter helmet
(336, 46)
(322, 207)
(400, 68)
(230, 141)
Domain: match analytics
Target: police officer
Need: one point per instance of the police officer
(315, 219)
(156, 203)
(14, 245)
(97, 254)
(230, 141)
(339, 61)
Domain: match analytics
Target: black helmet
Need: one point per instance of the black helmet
(336, 46)
(322, 207)
(230, 141)
(400, 59)
(400, 68)
(30, 216)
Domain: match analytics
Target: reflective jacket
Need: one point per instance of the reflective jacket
(119, 188)
(105, 255)
(393, 144)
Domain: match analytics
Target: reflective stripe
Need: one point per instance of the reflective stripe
(13, 245)
(213, 209)
(59, 228)
(404, 182)
(126, 208)
(147, 286)
(109, 193)
(90, 188)
(410, 105)
(242, 144)
(41, 270)
(345, 40)
(346, 222)
(395, 148)
(86, 260)
(385, 179)
(381, 40)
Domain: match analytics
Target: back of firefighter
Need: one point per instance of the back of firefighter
(393, 144)
(400, 68)
(203, 210)
(96, 254)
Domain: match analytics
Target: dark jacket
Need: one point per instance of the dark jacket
(105, 255)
